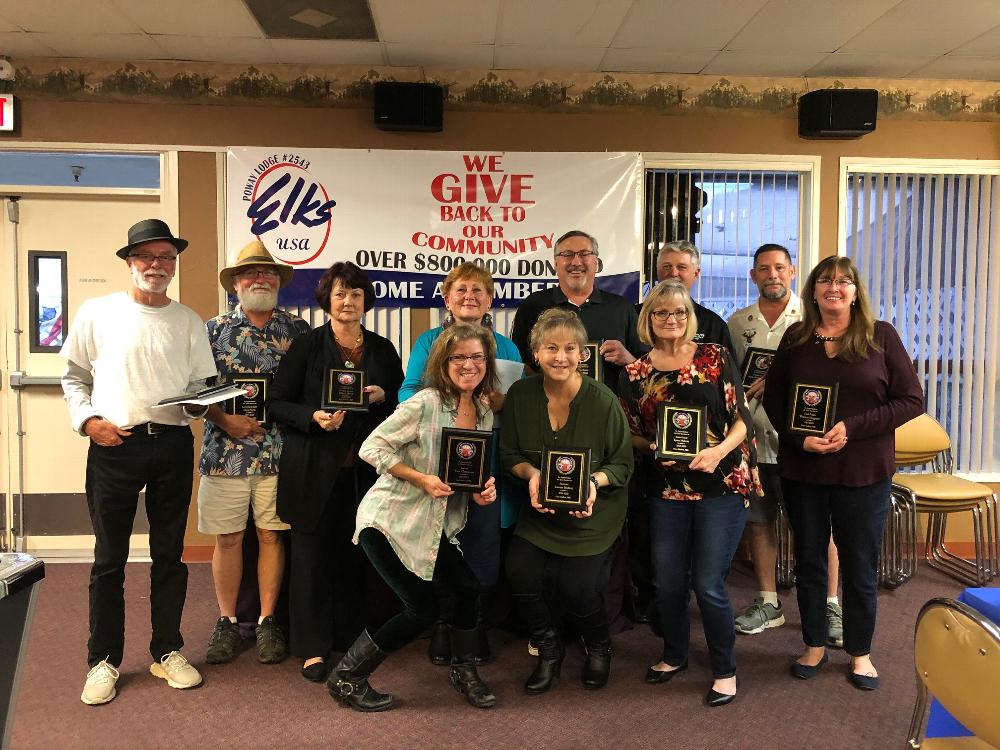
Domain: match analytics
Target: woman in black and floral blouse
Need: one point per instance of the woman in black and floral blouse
(697, 510)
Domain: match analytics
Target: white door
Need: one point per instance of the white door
(43, 476)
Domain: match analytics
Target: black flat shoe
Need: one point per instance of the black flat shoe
(863, 681)
(315, 672)
(804, 671)
(713, 698)
(659, 676)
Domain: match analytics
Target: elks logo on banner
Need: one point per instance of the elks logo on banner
(408, 217)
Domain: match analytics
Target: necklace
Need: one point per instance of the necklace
(351, 354)
(821, 337)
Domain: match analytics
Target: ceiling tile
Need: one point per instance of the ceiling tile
(327, 52)
(214, 49)
(22, 44)
(530, 57)
(763, 63)
(986, 45)
(180, 17)
(585, 22)
(418, 23)
(59, 16)
(440, 56)
(708, 24)
(868, 66)
(807, 25)
(656, 60)
(925, 27)
(108, 46)
(962, 68)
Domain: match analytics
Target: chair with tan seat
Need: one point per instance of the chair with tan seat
(956, 652)
(940, 493)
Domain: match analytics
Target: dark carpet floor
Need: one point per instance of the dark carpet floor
(249, 705)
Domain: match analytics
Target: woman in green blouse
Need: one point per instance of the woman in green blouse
(562, 407)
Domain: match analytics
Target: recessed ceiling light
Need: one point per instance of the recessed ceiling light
(315, 18)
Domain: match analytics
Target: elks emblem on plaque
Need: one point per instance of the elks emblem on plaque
(565, 464)
(681, 420)
(812, 397)
(465, 450)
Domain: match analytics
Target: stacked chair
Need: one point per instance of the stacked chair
(956, 653)
(937, 493)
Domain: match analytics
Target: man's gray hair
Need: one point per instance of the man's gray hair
(681, 246)
(578, 233)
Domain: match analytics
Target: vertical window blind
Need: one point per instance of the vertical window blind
(926, 245)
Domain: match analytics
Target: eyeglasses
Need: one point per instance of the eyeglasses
(582, 255)
(840, 283)
(663, 315)
(269, 273)
(148, 258)
(461, 359)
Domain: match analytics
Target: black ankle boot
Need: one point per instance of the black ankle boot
(348, 683)
(550, 657)
(464, 676)
(439, 649)
(597, 667)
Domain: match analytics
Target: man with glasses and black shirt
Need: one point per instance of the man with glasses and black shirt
(126, 352)
(609, 318)
(239, 454)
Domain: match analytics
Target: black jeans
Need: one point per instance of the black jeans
(580, 582)
(693, 546)
(419, 597)
(857, 517)
(164, 463)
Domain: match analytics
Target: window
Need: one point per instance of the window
(80, 170)
(729, 212)
(47, 305)
(927, 244)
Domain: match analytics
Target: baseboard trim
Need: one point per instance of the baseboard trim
(80, 547)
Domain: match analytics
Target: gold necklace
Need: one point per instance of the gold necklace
(349, 355)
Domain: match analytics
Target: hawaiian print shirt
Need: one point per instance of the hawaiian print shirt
(711, 379)
(240, 347)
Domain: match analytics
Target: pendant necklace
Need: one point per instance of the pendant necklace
(349, 355)
(821, 337)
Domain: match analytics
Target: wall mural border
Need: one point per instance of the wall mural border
(545, 91)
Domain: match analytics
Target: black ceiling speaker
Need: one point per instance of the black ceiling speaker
(837, 113)
(408, 106)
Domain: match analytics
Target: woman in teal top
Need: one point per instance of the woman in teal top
(468, 295)
(562, 407)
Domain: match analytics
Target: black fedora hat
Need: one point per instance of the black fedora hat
(148, 230)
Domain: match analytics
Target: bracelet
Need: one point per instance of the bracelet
(593, 480)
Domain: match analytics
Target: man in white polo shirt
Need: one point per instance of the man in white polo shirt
(761, 326)
(125, 352)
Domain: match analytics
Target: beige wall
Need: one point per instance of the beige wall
(191, 125)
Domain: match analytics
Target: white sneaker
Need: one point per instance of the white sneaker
(100, 685)
(176, 670)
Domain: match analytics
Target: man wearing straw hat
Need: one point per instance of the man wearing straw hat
(126, 352)
(240, 449)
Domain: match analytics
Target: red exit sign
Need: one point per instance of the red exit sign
(6, 111)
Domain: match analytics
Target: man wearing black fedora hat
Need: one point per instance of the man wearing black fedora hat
(126, 352)
(240, 450)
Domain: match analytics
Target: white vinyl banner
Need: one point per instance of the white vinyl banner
(408, 217)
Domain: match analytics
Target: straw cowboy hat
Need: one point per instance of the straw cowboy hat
(254, 254)
(149, 230)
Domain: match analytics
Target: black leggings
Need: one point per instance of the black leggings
(420, 602)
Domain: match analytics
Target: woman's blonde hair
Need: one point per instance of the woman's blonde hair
(436, 369)
(554, 318)
(859, 338)
(669, 289)
(471, 271)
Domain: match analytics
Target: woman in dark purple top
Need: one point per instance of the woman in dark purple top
(840, 480)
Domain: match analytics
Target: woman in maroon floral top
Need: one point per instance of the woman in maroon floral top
(697, 510)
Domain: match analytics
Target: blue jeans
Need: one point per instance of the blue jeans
(693, 544)
(857, 517)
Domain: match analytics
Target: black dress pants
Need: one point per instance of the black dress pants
(164, 464)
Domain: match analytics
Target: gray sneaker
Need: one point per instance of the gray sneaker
(835, 625)
(759, 616)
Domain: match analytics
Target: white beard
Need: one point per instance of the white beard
(257, 299)
(151, 283)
